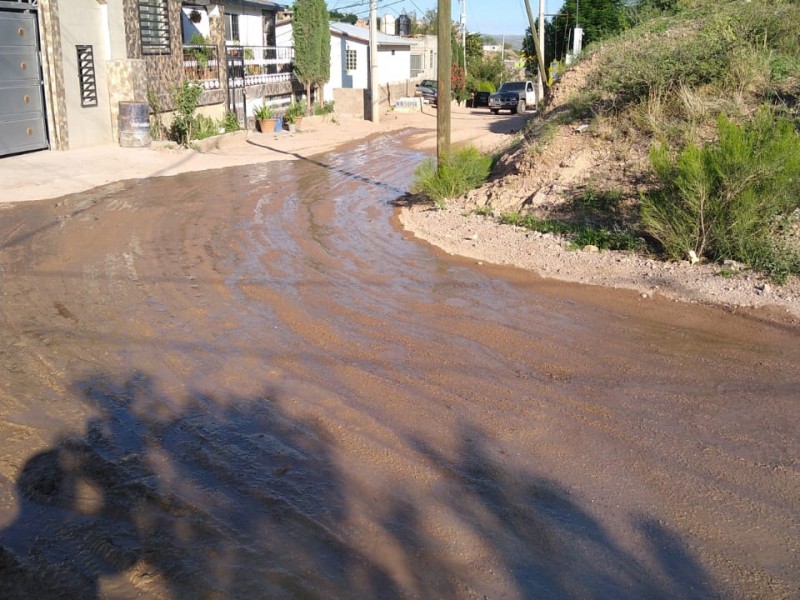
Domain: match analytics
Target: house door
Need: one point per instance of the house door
(22, 116)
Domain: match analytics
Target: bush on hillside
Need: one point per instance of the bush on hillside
(730, 199)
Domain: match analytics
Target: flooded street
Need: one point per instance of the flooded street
(249, 383)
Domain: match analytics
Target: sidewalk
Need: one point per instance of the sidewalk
(50, 174)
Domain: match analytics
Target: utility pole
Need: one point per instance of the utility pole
(444, 63)
(374, 90)
(539, 49)
(540, 82)
(464, 34)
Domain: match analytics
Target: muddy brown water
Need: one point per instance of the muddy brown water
(249, 383)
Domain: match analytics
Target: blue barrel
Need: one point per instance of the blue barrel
(134, 124)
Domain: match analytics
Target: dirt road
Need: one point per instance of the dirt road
(250, 383)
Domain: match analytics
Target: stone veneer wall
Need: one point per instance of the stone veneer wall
(127, 82)
(163, 71)
(53, 71)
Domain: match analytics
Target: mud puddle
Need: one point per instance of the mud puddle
(247, 383)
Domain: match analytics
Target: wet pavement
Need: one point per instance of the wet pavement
(249, 383)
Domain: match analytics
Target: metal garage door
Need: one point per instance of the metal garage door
(22, 118)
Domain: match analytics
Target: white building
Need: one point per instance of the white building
(350, 58)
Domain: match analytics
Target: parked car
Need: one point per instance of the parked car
(426, 89)
(513, 96)
(478, 100)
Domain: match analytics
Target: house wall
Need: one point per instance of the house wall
(202, 27)
(284, 35)
(394, 63)
(86, 22)
(251, 24)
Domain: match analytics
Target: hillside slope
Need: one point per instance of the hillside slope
(586, 158)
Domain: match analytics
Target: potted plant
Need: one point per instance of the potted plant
(265, 117)
(294, 114)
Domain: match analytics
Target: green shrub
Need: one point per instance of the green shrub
(613, 237)
(185, 98)
(730, 199)
(230, 122)
(463, 170)
(204, 127)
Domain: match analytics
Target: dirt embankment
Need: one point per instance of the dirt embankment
(547, 178)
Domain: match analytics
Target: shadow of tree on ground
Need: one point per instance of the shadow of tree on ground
(206, 497)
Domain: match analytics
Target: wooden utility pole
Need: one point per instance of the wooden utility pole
(374, 90)
(537, 45)
(443, 66)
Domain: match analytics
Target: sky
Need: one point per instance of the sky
(489, 17)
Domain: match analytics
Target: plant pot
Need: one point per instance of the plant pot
(267, 125)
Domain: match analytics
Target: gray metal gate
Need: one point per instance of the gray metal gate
(22, 117)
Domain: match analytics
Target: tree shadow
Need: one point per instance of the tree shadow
(233, 497)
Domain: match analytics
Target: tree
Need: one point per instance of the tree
(312, 45)
(427, 24)
(341, 17)
(599, 19)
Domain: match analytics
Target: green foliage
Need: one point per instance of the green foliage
(295, 111)
(263, 111)
(463, 170)
(185, 98)
(204, 127)
(613, 237)
(343, 17)
(487, 73)
(204, 52)
(312, 37)
(230, 122)
(730, 199)
(157, 129)
(326, 108)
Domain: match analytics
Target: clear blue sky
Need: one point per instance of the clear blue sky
(483, 16)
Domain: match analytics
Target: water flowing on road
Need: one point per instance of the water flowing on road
(250, 383)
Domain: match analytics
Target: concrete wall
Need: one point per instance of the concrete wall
(350, 102)
(394, 62)
(85, 22)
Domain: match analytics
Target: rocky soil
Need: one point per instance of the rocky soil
(541, 180)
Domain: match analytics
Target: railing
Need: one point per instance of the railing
(201, 64)
(250, 65)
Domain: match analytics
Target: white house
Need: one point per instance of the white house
(350, 58)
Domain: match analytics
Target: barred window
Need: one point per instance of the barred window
(416, 64)
(352, 60)
(430, 65)
(154, 25)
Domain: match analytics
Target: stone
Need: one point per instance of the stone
(591, 248)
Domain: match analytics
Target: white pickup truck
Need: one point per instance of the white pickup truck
(513, 96)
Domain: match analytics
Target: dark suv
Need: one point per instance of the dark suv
(478, 100)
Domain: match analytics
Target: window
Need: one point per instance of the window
(154, 26)
(86, 78)
(416, 64)
(430, 65)
(231, 27)
(352, 60)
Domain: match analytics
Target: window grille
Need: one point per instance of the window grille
(154, 23)
(416, 64)
(86, 78)
(352, 60)
(430, 65)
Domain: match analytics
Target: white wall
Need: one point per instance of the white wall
(284, 36)
(394, 63)
(189, 28)
(85, 22)
(251, 24)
